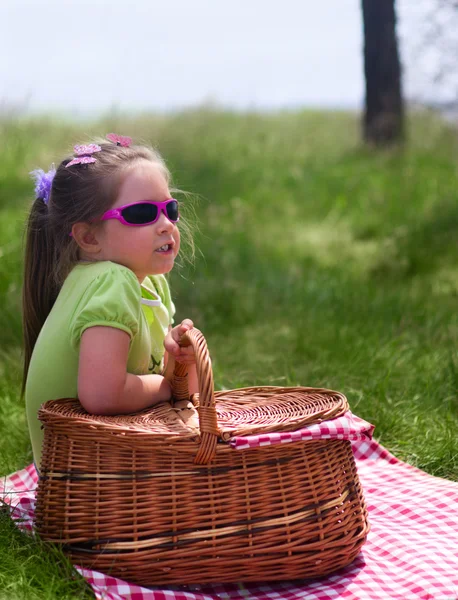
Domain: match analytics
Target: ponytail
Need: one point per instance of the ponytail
(40, 288)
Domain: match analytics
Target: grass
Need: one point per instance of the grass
(34, 570)
(320, 263)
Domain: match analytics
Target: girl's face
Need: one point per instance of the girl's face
(138, 247)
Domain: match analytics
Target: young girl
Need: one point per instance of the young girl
(97, 312)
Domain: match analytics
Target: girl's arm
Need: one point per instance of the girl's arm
(104, 386)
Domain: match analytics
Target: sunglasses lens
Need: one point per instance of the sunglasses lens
(172, 210)
(139, 214)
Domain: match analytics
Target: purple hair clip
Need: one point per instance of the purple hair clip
(119, 140)
(43, 183)
(84, 154)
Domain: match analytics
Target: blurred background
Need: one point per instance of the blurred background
(85, 58)
(318, 145)
(317, 141)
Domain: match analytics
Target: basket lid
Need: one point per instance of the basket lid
(249, 411)
(244, 411)
(66, 415)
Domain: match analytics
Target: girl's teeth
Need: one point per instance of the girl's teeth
(163, 248)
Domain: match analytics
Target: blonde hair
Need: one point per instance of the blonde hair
(81, 193)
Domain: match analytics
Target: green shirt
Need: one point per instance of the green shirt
(100, 293)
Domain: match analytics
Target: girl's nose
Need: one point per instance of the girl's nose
(163, 223)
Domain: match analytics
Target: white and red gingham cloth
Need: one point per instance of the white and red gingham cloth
(411, 552)
(346, 427)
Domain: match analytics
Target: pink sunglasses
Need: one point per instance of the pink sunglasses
(144, 212)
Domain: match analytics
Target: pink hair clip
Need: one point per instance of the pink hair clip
(119, 140)
(84, 154)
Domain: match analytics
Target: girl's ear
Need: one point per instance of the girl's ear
(86, 236)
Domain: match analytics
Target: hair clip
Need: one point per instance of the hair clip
(83, 154)
(119, 140)
(43, 183)
(87, 149)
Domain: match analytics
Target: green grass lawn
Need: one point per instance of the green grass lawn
(319, 263)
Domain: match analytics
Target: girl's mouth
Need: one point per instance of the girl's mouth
(165, 249)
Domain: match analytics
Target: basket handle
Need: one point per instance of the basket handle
(208, 421)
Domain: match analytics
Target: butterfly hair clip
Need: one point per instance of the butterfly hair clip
(119, 140)
(83, 154)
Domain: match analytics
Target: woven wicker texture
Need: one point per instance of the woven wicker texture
(159, 498)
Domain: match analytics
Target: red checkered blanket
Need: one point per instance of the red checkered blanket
(411, 551)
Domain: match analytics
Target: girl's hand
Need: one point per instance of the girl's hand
(171, 343)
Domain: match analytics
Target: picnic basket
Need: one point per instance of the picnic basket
(160, 497)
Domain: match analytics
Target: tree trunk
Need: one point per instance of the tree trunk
(384, 113)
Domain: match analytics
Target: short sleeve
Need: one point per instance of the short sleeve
(112, 299)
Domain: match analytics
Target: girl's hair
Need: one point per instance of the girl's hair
(79, 193)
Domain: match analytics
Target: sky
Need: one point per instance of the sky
(89, 56)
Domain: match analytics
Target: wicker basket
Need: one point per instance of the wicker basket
(161, 498)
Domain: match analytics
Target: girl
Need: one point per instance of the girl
(97, 312)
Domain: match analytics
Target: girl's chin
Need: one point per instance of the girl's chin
(163, 266)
